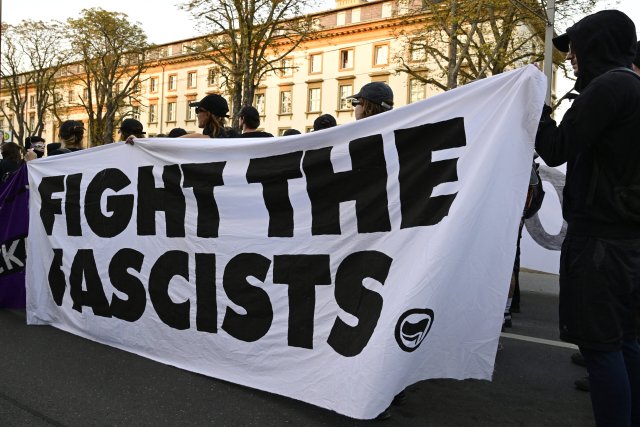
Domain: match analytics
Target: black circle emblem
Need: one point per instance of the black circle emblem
(412, 328)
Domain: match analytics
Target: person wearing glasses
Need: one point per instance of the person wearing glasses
(71, 133)
(374, 98)
(212, 111)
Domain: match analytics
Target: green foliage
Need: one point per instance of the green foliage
(112, 51)
(248, 39)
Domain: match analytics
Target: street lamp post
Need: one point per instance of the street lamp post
(548, 46)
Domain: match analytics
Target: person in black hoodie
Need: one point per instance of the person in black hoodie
(598, 138)
(249, 120)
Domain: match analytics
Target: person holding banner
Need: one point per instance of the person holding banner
(600, 258)
(374, 98)
(71, 134)
(212, 111)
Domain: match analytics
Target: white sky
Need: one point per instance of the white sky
(161, 19)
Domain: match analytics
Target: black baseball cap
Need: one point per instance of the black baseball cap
(131, 126)
(562, 42)
(377, 92)
(213, 103)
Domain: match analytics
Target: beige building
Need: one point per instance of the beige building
(356, 45)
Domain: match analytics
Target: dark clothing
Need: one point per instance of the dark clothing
(598, 136)
(599, 291)
(7, 166)
(614, 380)
(600, 257)
(61, 150)
(255, 134)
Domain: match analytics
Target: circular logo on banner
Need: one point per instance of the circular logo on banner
(412, 328)
(6, 136)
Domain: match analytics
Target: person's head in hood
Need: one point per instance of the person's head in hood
(598, 43)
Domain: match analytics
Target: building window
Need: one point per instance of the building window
(281, 131)
(135, 112)
(171, 111)
(259, 103)
(346, 59)
(313, 105)
(315, 63)
(85, 93)
(286, 102)
(153, 113)
(212, 77)
(71, 96)
(32, 101)
(387, 9)
(381, 54)
(341, 18)
(417, 90)
(32, 121)
(417, 52)
(192, 79)
(344, 92)
(355, 15)
(191, 112)
(286, 67)
(136, 87)
(173, 82)
(153, 84)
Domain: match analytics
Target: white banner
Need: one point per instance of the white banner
(335, 267)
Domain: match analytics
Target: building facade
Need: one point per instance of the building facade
(357, 43)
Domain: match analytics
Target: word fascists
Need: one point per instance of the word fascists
(365, 183)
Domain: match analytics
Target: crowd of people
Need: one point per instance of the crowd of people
(597, 139)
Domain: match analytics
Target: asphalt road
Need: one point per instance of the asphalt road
(52, 378)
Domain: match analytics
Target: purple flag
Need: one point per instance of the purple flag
(14, 227)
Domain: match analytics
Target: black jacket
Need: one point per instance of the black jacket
(599, 136)
(255, 134)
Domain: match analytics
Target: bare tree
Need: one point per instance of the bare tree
(457, 41)
(249, 39)
(112, 54)
(32, 55)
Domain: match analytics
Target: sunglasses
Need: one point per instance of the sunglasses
(355, 101)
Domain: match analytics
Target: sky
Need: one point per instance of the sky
(162, 20)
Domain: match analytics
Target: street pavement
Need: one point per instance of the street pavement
(52, 378)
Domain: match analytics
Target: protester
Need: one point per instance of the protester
(533, 202)
(71, 133)
(131, 127)
(212, 110)
(177, 132)
(12, 158)
(290, 132)
(600, 257)
(324, 121)
(249, 121)
(35, 143)
(374, 98)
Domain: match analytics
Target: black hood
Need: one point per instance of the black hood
(601, 42)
